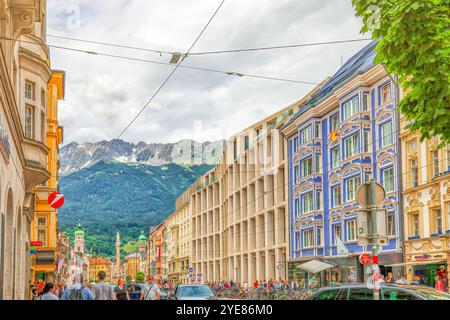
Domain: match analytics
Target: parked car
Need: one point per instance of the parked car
(193, 292)
(388, 292)
(164, 295)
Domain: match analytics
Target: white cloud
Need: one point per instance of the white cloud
(104, 94)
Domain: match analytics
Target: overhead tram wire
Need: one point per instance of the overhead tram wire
(108, 44)
(165, 81)
(121, 57)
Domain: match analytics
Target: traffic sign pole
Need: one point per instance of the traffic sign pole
(373, 236)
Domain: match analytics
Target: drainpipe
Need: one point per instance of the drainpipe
(399, 170)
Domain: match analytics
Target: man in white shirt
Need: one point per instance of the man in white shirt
(151, 290)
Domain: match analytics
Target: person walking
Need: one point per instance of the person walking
(49, 292)
(120, 292)
(151, 290)
(101, 289)
(77, 291)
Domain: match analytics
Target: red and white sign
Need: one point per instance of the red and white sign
(36, 243)
(364, 258)
(56, 200)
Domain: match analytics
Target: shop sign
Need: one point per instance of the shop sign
(426, 257)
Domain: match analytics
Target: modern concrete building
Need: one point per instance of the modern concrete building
(239, 209)
(426, 204)
(346, 134)
(25, 74)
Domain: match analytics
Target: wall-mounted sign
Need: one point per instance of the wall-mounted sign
(426, 257)
(5, 147)
(55, 200)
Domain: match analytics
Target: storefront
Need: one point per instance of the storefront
(424, 267)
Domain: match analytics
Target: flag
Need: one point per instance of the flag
(60, 264)
(341, 248)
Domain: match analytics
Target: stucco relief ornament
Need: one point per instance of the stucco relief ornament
(435, 199)
(446, 195)
(23, 21)
(414, 204)
(4, 9)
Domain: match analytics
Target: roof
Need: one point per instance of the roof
(142, 237)
(98, 261)
(362, 61)
(79, 230)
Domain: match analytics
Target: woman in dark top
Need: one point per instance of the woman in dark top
(120, 291)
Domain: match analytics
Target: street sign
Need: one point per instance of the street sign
(36, 243)
(32, 250)
(363, 194)
(56, 200)
(364, 258)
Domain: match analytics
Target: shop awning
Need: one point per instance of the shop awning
(415, 263)
(315, 266)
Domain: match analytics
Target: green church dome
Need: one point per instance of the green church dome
(142, 237)
(79, 230)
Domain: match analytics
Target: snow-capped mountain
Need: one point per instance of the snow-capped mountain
(76, 156)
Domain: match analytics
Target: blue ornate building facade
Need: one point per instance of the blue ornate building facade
(346, 134)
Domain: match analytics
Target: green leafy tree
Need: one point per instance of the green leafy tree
(140, 277)
(129, 278)
(414, 44)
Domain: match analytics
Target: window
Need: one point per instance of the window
(365, 105)
(386, 134)
(297, 207)
(295, 144)
(335, 157)
(447, 205)
(351, 186)
(246, 142)
(412, 147)
(334, 122)
(319, 240)
(335, 196)
(317, 126)
(306, 167)
(43, 127)
(306, 135)
(43, 104)
(448, 157)
(388, 179)
(337, 232)
(297, 238)
(327, 295)
(414, 172)
(390, 224)
(29, 122)
(437, 219)
(318, 163)
(308, 238)
(434, 163)
(361, 294)
(351, 230)
(351, 108)
(29, 90)
(319, 200)
(385, 93)
(415, 225)
(351, 145)
(296, 174)
(307, 202)
(42, 230)
(366, 141)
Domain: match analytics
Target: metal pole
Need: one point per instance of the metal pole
(373, 238)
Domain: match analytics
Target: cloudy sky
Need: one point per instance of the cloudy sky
(103, 94)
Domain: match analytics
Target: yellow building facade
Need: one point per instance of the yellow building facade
(99, 264)
(178, 245)
(426, 204)
(44, 227)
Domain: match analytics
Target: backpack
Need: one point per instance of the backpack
(76, 294)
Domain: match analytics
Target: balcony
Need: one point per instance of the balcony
(35, 170)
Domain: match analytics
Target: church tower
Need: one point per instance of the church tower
(79, 240)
